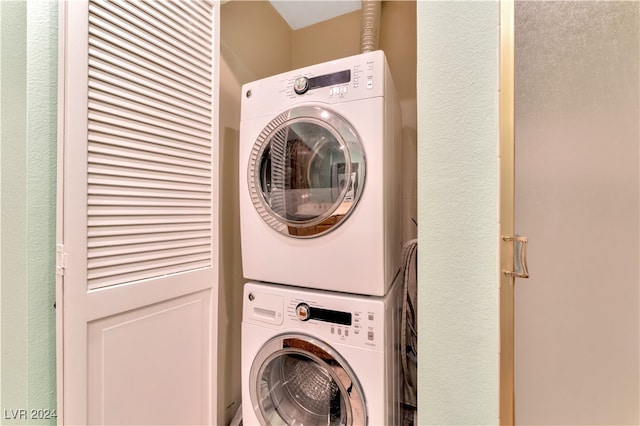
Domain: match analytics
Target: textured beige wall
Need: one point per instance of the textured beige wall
(255, 40)
(230, 288)
(398, 40)
(325, 41)
(255, 43)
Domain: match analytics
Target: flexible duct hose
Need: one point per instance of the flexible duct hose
(409, 328)
(370, 25)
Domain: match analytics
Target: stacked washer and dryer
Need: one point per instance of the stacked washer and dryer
(321, 215)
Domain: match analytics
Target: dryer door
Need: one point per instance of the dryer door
(298, 380)
(306, 171)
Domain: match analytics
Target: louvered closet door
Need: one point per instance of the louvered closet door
(137, 221)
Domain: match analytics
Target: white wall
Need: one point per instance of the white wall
(457, 212)
(27, 221)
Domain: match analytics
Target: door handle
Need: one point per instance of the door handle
(519, 256)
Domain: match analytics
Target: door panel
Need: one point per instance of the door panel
(137, 212)
(577, 97)
(140, 357)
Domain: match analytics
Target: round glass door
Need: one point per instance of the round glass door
(298, 380)
(306, 171)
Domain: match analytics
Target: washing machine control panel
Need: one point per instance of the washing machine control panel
(352, 320)
(358, 327)
(304, 312)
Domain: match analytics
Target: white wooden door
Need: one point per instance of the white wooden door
(138, 214)
(577, 140)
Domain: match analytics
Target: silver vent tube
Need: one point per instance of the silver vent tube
(370, 25)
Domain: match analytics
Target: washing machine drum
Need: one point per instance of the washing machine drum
(306, 171)
(298, 380)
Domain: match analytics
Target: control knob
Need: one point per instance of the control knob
(301, 85)
(303, 311)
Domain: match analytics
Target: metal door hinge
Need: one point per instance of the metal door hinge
(519, 256)
(61, 259)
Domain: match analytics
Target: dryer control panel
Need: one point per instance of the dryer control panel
(354, 80)
(302, 84)
(362, 76)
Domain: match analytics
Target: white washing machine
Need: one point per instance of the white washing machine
(312, 357)
(320, 185)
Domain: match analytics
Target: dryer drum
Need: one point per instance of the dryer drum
(306, 171)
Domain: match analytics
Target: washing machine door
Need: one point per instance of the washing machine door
(306, 171)
(299, 380)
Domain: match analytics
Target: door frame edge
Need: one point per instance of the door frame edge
(506, 209)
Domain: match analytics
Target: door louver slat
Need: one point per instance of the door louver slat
(106, 26)
(154, 222)
(156, 156)
(178, 14)
(100, 118)
(182, 72)
(127, 234)
(134, 74)
(112, 50)
(135, 258)
(137, 113)
(119, 275)
(149, 140)
(151, 241)
(159, 29)
(110, 93)
(135, 85)
(106, 171)
(191, 189)
(174, 15)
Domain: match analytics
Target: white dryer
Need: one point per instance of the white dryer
(313, 357)
(320, 186)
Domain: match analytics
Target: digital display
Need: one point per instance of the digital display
(336, 317)
(330, 79)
